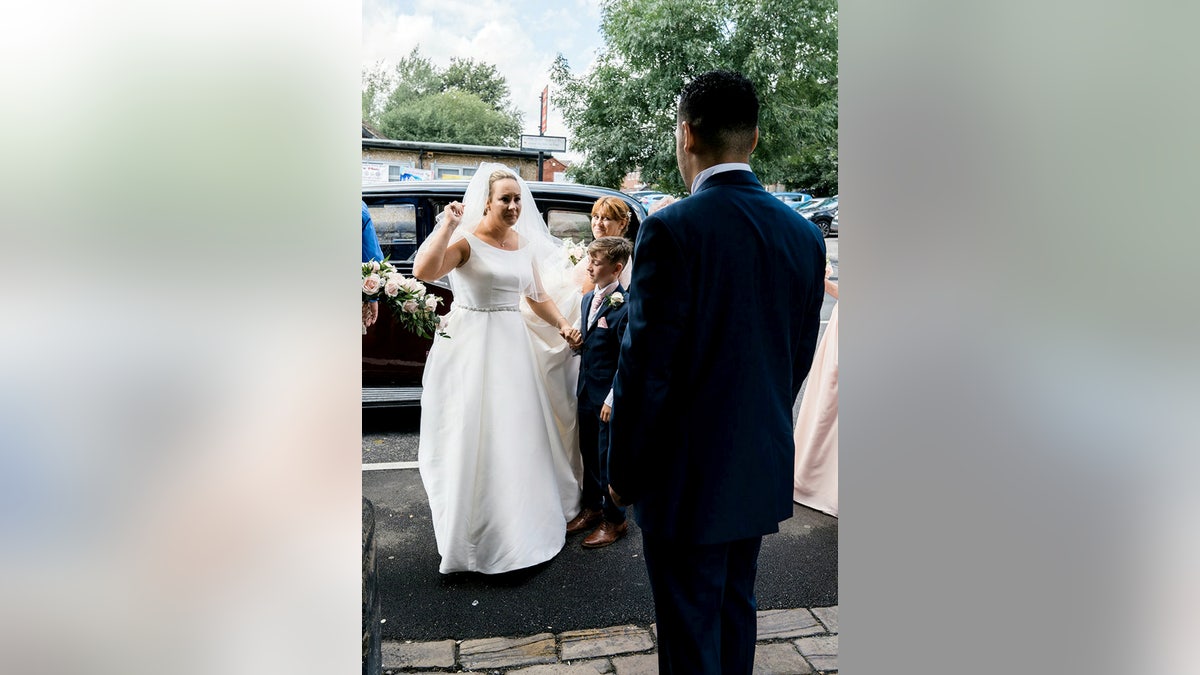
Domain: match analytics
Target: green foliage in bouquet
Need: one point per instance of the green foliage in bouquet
(411, 304)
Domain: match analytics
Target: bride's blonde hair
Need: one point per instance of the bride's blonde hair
(498, 174)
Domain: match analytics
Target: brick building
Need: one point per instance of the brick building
(385, 160)
(554, 169)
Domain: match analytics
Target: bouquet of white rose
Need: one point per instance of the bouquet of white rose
(412, 305)
(576, 251)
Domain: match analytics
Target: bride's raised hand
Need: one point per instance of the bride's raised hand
(454, 214)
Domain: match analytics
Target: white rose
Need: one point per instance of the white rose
(616, 299)
(391, 287)
(431, 302)
(374, 265)
(371, 284)
(410, 306)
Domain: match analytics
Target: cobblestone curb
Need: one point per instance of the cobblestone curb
(790, 642)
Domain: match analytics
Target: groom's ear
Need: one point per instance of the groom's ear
(687, 138)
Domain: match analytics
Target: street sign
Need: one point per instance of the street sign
(544, 143)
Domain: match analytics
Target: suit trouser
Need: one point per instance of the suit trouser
(704, 604)
(593, 446)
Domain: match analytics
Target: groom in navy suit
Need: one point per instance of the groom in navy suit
(723, 314)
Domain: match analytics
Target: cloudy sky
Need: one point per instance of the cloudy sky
(519, 37)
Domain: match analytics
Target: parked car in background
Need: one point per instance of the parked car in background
(813, 205)
(826, 219)
(393, 359)
(647, 198)
(650, 200)
(821, 212)
(790, 198)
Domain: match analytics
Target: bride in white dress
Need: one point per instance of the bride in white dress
(498, 451)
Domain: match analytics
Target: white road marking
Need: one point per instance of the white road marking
(385, 466)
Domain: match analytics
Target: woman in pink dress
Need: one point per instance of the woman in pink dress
(816, 476)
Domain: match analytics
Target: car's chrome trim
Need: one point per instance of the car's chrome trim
(391, 397)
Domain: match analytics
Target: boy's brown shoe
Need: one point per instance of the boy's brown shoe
(587, 518)
(606, 534)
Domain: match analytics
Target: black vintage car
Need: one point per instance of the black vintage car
(393, 359)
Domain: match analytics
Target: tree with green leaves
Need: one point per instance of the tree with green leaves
(467, 102)
(449, 117)
(622, 112)
(375, 87)
(481, 79)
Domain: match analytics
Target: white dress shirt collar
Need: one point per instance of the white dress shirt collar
(715, 169)
(601, 292)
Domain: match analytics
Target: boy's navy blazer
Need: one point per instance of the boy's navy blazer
(601, 347)
(723, 316)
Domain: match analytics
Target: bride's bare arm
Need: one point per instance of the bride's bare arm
(440, 256)
(548, 311)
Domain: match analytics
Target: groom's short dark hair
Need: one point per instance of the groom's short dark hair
(722, 108)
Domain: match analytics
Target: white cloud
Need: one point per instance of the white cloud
(520, 37)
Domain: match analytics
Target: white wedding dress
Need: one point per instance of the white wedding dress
(498, 453)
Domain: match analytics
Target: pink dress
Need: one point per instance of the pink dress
(816, 473)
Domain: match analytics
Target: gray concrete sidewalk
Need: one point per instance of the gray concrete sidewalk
(790, 642)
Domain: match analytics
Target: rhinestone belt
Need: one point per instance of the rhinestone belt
(501, 308)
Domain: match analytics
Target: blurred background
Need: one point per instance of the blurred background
(179, 416)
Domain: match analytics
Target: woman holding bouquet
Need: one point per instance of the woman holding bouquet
(498, 455)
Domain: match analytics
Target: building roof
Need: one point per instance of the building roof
(419, 146)
(369, 131)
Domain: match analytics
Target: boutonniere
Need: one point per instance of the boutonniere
(616, 299)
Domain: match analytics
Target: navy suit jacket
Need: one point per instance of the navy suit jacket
(601, 347)
(723, 316)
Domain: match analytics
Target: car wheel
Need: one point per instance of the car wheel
(823, 224)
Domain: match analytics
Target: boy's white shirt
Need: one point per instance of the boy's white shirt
(602, 292)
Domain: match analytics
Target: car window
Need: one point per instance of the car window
(570, 224)
(396, 227)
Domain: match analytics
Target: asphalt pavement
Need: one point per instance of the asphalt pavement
(577, 589)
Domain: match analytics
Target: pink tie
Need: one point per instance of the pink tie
(597, 300)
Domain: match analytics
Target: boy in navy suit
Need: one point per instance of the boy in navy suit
(603, 322)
